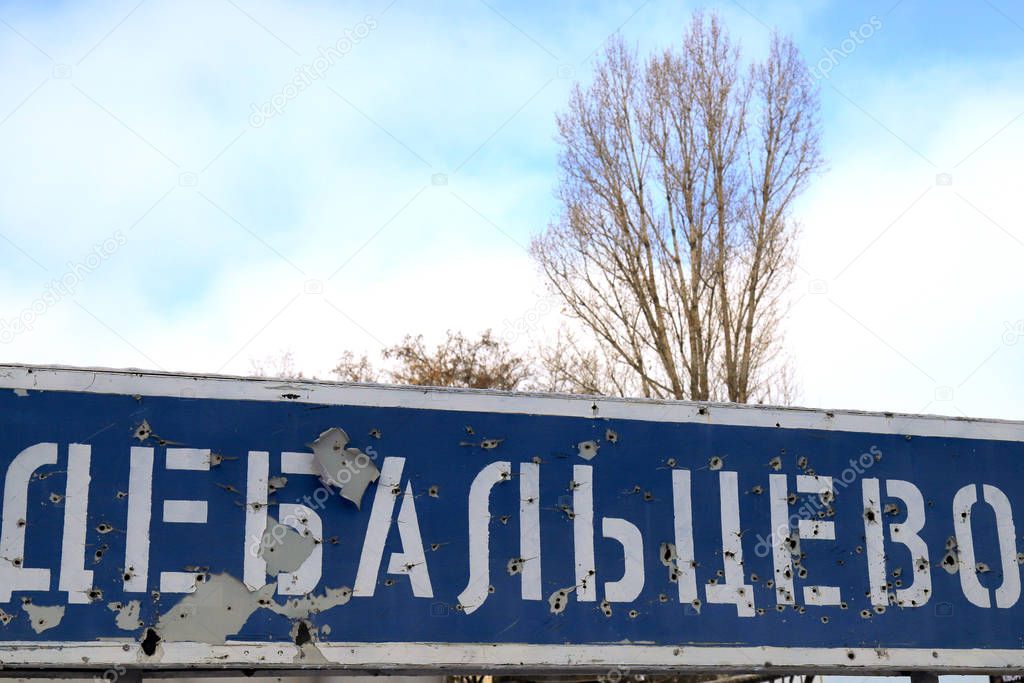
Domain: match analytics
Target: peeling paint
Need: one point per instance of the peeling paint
(219, 607)
(221, 604)
(43, 618)
(127, 614)
(276, 484)
(283, 548)
(349, 469)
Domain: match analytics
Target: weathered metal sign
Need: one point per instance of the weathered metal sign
(163, 521)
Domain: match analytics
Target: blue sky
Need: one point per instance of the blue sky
(396, 193)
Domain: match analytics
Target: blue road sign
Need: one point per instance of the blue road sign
(168, 521)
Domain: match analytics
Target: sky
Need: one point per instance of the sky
(170, 199)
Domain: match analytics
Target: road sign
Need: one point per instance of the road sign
(168, 521)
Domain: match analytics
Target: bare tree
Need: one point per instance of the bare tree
(675, 239)
(458, 361)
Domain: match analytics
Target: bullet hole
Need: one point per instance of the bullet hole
(757, 490)
(791, 499)
(56, 498)
(865, 614)
(769, 583)
(824, 620)
(859, 550)
(899, 583)
(950, 562)
(536, 460)
(120, 495)
(702, 411)
(648, 496)
(514, 566)
(802, 572)
(6, 618)
(712, 582)
(671, 462)
(490, 589)
(850, 655)
(155, 595)
(434, 491)
(16, 562)
(606, 608)
(150, 642)
(216, 459)
(801, 609)
(787, 572)
(333, 540)
(753, 578)
(435, 546)
(981, 568)
(98, 555)
(719, 573)
(775, 463)
(779, 608)
(469, 430)
(95, 594)
(22, 523)
(104, 528)
(801, 462)
(869, 514)
(503, 519)
(662, 598)
(760, 611)
(559, 599)
(587, 449)
(375, 433)
(715, 463)
(389, 582)
(143, 431)
(1020, 558)
(302, 634)
(633, 614)
(611, 436)
(950, 543)
(843, 605)
(668, 553)
(897, 572)
(826, 496)
(490, 444)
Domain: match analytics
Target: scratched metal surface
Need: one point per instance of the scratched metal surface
(632, 472)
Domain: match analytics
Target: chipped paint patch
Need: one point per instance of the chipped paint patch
(43, 618)
(219, 607)
(127, 614)
(349, 469)
(21, 392)
(284, 549)
(222, 604)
